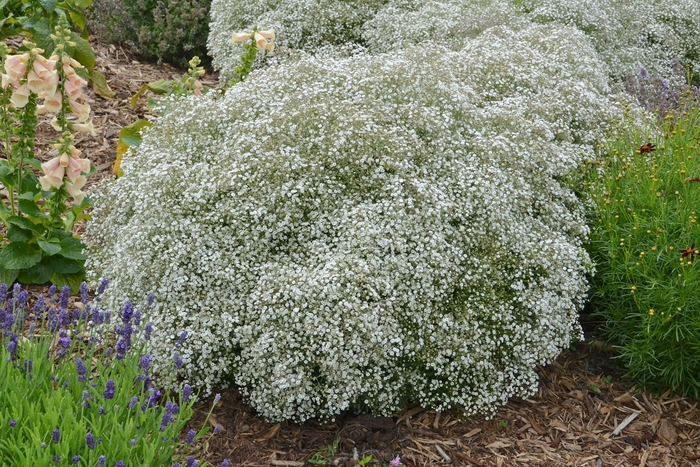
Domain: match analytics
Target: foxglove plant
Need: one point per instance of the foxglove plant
(66, 401)
(38, 245)
(358, 232)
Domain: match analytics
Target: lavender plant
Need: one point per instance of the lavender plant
(299, 24)
(358, 232)
(77, 391)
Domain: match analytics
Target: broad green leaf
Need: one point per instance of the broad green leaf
(78, 19)
(19, 255)
(30, 184)
(48, 5)
(8, 276)
(42, 35)
(72, 248)
(64, 265)
(161, 86)
(129, 136)
(83, 52)
(7, 175)
(3, 3)
(99, 84)
(80, 4)
(49, 247)
(31, 209)
(71, 280)
(38, 274)
(33, 162)
(26, 224)
(18, 234)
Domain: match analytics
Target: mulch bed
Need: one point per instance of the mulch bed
(582, 415)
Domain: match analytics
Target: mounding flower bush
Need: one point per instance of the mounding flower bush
(630, 34)
(358, 232)
(407, 22)
(299, 24)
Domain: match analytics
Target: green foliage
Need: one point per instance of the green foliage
(645, 239)
(169, 30)
(67, 399)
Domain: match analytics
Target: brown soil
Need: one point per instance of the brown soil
(571, 421)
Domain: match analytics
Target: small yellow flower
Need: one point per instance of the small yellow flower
(653, 248)
(634, 288)
(651, 312)
(670, 248)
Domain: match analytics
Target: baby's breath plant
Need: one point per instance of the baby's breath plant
(358, 232)
(299, 24)
(630, 34)
(645, 242)
(76, 391)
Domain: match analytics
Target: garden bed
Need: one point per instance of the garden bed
(581, 401)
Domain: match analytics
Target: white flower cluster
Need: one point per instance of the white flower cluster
(451, 22)
(298, 24)
(630, 34)
(335, 233)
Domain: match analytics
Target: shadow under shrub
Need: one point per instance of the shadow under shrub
(645, 242)
(166, 30)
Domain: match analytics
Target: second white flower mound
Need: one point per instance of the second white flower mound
(361, 232)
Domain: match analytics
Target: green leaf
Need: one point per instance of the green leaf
(31, 209)
(3, 3)
(129, 136)
(26, 224)
(19, 255)
(77, 19)
(7, 175)
(161, 86)
(42, 35)
(30, 184)
(8, 276)
(83, 52)
(39, 274)
(18, 234)
(99, 84)
(64, 265)
(72, 248)
(49, 247)
(80, 4)
(49, 5)
(71, 280)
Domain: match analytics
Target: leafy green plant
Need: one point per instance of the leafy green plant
(37, 19)
(645, 239)
(75, 390)
(38, 244)
(166, 30)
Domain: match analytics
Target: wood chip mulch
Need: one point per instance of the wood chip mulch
(583, 414)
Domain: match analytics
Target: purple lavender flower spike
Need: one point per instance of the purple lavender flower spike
(39, 306)
(52, 294)
(55, 436)
(189, 438)
(121, 348)
(81, 369)
(191, 462)
(84, 297)
(137, 318)
(134, 400)
(110, 389)
(181, 339)
(186, 393)
(75, 460)
(12, 346)
(3, 292)
(119, 464)
(127, 313)
(217, 398)
(225, 463)
(65, 295)
(102, 410)
(151, 299)
(145, 362)
(101, 461)
(101, 286)
(86, 398)
(90, 440)
(147, 331)
(217, 429)
(16, 290)
(178, 360)
(22, 299)
(13, 423)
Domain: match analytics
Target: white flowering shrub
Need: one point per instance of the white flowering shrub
(355, 233)
(406, 22)
(630, 34)
(298, 24)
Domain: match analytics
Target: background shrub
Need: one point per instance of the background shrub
(299, 24)
(166, 30)
(645, 243)
(359, 232)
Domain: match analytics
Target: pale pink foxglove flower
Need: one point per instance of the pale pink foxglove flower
(82, 111)
(269, 34)
(239, 37)
(85, 128)
(34, 82)
(16, 66)
(44, 67)
(6, 80)
(260, 41)
(74, 87)
(76, 167)
(54, 172)
(53, 102)
(77, 194)
(197, 87)
(20, 96)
